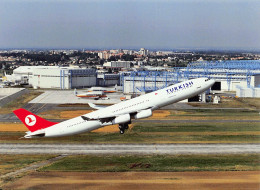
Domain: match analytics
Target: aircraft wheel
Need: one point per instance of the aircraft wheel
(122, 131)
(122, 128)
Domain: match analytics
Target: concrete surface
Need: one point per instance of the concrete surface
(129, 148)
(9, 94)
(68, 97)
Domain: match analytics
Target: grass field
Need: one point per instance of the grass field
(125, 172)
(158, 163)
(134, 163)
(139, 180)
(246, 132)
(9, 163)
(68, 114)
(194, 114)
(250, 103)
(69, 172)
(214, 114)
(19, 102)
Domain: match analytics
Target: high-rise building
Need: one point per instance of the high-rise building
(143, 52)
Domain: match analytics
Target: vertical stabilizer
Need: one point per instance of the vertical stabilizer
(32, 121)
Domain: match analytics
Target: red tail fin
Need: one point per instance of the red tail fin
(32, 121)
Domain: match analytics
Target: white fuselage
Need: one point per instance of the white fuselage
(153, 100)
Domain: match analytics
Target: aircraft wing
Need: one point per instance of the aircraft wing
(110, 117)
(103, 119)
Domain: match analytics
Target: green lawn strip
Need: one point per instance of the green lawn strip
(10, 163)
(250, 103)
(135, 137)
(81, 138)
(196, 127)
(215, 112)
(19, 102)
(156, 133)
(156, 163)
(23, 99)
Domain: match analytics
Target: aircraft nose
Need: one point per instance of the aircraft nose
(211, 82)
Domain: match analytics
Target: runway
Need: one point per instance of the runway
(171, 149)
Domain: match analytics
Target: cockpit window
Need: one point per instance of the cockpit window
(207, 79)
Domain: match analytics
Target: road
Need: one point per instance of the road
(171, 149)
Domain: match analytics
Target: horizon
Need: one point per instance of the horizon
(219, 50)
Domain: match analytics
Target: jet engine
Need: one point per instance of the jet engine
(122, 119)
(143, 114)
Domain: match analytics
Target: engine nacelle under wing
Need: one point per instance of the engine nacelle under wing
(143, 114)
(122, 119)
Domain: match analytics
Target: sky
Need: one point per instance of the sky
(152, 24)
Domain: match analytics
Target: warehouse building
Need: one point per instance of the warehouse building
(229, 76)
(21, 74)
(62, 77)
(117, 65)
(107, 79)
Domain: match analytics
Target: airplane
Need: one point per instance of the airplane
(100, 89)
(121, 113)
(95, 95)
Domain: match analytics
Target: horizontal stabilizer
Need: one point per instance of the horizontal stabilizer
(35, 134)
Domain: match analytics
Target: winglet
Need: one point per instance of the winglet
(96, 106)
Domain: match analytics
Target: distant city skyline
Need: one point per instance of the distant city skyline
(125, 24)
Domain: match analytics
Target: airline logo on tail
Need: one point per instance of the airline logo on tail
(30, 120)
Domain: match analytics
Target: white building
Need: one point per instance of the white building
(143, 52)
(62, 77)
(104, 55)
(21, 74)
(118, 64)
(248, 92)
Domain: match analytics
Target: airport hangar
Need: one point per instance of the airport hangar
(240, 76)
(56, 77)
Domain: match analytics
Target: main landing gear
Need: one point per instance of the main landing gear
(123, 127)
